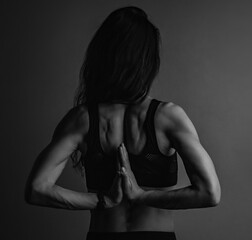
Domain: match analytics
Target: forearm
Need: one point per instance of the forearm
(59, 197)
(183, 198)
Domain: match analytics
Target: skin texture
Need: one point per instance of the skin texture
(129, 207)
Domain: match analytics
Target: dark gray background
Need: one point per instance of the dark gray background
(206, 63)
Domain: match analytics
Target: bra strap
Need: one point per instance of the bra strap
(93, 132)
(152, 145)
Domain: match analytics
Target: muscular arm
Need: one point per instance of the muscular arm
(41, 188)
(204, 190)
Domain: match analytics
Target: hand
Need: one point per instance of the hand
(115, 195)
(130, 187)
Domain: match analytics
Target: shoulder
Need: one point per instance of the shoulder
(75, 121)
(175, 119)
(172, 113)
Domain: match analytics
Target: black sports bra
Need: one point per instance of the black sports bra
(151, 168)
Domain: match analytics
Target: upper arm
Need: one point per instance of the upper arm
(65, 140)
(185, 140)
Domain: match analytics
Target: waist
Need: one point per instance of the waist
(129, 218)
(135, 235)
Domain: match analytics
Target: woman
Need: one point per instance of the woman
(128, 141)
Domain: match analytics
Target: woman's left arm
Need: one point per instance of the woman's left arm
(205, 190)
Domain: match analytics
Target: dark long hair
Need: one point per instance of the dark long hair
(121, 60)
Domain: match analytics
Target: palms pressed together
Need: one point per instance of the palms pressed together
(124, 184)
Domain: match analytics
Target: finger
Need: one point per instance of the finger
(125, 157)
(125, 181)
(118, 161)
(126, 178)
(117, 178)
(120, 156)
(119, 182)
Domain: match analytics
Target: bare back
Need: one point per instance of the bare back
(119, 123)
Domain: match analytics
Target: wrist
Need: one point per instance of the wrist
(101, 204)
(108, 202)
(140, 199)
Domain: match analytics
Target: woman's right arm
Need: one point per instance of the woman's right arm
(41, 188)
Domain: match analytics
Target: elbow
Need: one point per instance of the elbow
(28, 193)
(214, 196)
(34, 193)
(209, 196)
